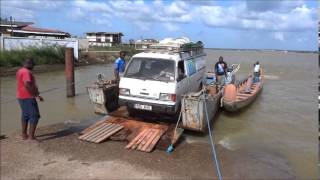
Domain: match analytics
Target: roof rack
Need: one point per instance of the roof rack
(192, 48)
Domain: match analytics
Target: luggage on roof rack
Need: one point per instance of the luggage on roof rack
(178, 46)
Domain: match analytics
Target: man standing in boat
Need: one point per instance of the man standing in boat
(256, 72)
(119, 65)
(220, 69)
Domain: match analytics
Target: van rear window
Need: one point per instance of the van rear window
(151, 69)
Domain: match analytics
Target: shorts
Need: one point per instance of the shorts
(29, 110)
(221, 80)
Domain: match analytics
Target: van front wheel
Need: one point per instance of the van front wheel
(132, 112)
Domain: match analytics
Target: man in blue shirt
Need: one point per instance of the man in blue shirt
(119, 65)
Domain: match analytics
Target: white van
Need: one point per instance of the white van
(155, 80)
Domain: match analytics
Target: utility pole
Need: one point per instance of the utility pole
(11, 25)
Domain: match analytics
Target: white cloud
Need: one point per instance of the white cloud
(298, 19)
(91, 6)
(33, 5)
(94, 12)
(171, 27)
(275, 18)
(279, 36)
(26, 10)
(139, 12)
(273, 5)
(18, 14)
(76, 13)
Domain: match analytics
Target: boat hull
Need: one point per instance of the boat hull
(194, 112)
(237, 105)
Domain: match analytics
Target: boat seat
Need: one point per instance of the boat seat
(244, 95)
(240, 99)
(244, 92)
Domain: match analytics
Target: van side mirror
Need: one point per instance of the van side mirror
(181, 76)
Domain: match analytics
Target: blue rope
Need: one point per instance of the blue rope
(212, 144)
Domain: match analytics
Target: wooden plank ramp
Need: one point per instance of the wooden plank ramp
(140, 135)
(146, 140)
(100, 132)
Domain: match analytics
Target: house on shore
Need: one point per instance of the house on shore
(104, 39)
(143, 44)
(25, 29)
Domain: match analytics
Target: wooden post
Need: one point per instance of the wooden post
(69, 63)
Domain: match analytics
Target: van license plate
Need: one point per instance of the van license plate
(143, 107)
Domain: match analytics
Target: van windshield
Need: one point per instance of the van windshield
(153, 69)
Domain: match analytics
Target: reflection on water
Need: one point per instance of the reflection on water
(281, 120)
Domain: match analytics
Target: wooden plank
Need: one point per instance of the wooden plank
(100, 132)
(104, 131)
(241, 97)
(102, 120)
(96, 132)
(155, 133)
(121, 135)
(91, 131)
(245, 95)
(87, 134)
(141, 139)
(136, 139)
(105, 136)
(92, 127)
(110, 133)
(146, 139)
(154, 142)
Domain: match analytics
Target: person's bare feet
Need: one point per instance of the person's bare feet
(24, 136)
(34, 140)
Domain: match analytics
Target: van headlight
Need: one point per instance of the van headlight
(124, 91)
(168, 97)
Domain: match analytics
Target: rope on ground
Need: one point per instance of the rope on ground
(170, 148)
(215, 159)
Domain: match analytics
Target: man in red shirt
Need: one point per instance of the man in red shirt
(27, 91)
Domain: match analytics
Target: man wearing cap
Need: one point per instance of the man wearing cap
(27, 92)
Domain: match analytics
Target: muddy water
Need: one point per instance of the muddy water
(282, 120)
(56, 107)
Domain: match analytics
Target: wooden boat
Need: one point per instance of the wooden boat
(238, 96)
(104, 95)
(230, 78)
(193, 107)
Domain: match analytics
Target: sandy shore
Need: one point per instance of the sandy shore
(61, 155)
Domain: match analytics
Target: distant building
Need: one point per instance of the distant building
(25, 29)
(145, 43)
(104, 39)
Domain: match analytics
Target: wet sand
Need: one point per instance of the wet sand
(61, 155)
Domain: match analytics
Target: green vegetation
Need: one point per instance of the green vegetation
(46, 55)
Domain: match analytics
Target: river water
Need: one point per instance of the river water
(282, 120)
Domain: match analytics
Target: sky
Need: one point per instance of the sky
(247, 24)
